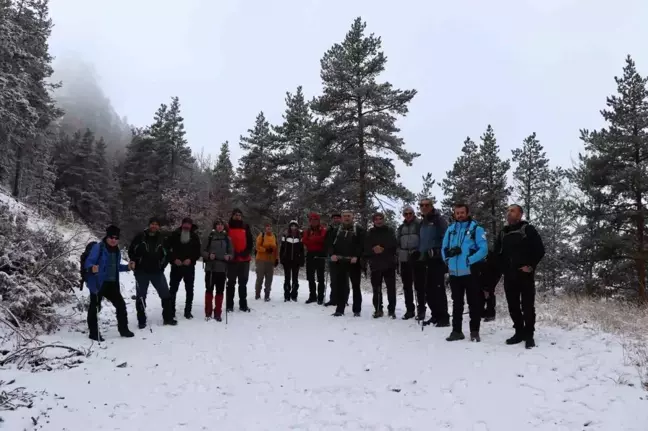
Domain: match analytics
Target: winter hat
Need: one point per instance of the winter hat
(236, 211)
(293, 222)
(112, 230)
(313, 216)
(335, 214)
(187, 220)
(154, 220)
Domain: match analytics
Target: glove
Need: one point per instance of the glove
(276, 263)
(81, 285)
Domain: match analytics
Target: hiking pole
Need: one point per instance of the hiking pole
(97, 318)
(141, 299)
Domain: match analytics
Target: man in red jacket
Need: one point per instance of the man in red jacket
(315, 244)
(239, 266)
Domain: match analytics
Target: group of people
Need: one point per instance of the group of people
(421, 251)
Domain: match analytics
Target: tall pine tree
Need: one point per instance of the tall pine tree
(360, 114)
(616, 162)
(222, 183)
(531, 175)
(460, 183)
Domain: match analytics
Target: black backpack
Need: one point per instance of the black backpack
(84, 257)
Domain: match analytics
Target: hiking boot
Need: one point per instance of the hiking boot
(443, 324)
(257, 295)
(391, 314)
(320, 302)
(286, 298)
(126, 333)
(141, 325)
(377, 314)
(96, 337)
(218, 319)
(245, 309)
(266, 299)
(420, 317)
(515, 339)
(456, 336)
(529, 343)
(356, 314)
(229, 310)
(188, 315)
(170, 322)
(328, 304)
(474, 336)
(489, 319)
(408, 315)
(337, 314)
(310, 300)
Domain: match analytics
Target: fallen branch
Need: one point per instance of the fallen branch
(15, 399)
(26, 354)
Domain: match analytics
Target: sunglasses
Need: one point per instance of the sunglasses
(408, 214)
(116, 238)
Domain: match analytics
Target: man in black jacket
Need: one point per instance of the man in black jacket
(345, 251)
(148, 258)
(520, 250)
(380, 248)
(184, 252)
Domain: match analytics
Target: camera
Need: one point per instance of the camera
(452, 252)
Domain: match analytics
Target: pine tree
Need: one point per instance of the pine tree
(460, 184)
(426, 190)
(491, 185)
(168, 130)
(222, 182)
(531, 173)
(359, 114)
(296, 161)
(617, 164)
(257, 180)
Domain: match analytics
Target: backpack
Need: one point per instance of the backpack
(521, 231)
(84, 257)
(339, 231)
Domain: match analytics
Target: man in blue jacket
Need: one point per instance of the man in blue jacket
(464, 245)
(433, 228)
(102, 267)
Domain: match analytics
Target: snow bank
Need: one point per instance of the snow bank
(293, 366)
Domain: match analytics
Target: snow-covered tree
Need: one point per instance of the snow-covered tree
(461, 182)
(531, 173)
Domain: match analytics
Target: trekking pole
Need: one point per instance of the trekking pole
(141, 299)
(97, 318)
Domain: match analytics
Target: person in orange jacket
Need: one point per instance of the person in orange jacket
(267, 258)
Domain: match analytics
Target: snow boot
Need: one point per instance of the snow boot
(330, 303)
(456, 336)
(420, 317)
(286, 298)
(170, 322)
(311, 299)
(141, 324)
(187, 314)
(391, 314)
(96, 337)
(245, 308)
(125, 332)
(337, 314)
(408, 315)
(474, 336)
(266, 299)
(378, 314)
(209, 302)
(517, 338)
(489, 319)
(356, 314)
(257, 294)
(443, 324)
(529, 342)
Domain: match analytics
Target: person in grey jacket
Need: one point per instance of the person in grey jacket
(411, 269)
(216, 253)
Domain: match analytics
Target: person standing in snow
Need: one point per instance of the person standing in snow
(102, 267)
(519, 250)
(315, 244)
(409, 258)
(336, 221)
(184, 252)
(345, 252)
(216, 254)
(148, 258)
(433, 292)
(239, 267)
(380, 248)
(464, 245)
(291, 255)
(267, 258)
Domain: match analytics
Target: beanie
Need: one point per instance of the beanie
(112, 230)
(154, 220)
(237, 211)
(335, 214)
(187, 220)
(293, 222)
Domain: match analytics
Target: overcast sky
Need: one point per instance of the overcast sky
(520, 65)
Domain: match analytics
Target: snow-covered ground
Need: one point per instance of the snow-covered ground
(293, 366)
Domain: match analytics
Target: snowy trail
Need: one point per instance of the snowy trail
(292, 366)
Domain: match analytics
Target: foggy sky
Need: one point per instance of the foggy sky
(521, 65)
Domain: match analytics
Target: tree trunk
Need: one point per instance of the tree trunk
(641, 256)
(18, 173)
(362, 169)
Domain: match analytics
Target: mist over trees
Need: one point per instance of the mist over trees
(337, 151)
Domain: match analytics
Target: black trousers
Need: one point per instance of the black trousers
(467, 285)
(178, 274)
(315, 266)
(345, 272)
(377, 278)
(291, 279)
(519, 288)
(433, 291)
(237, 271)
(412, 276)
(215, 280)
(110, 291)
